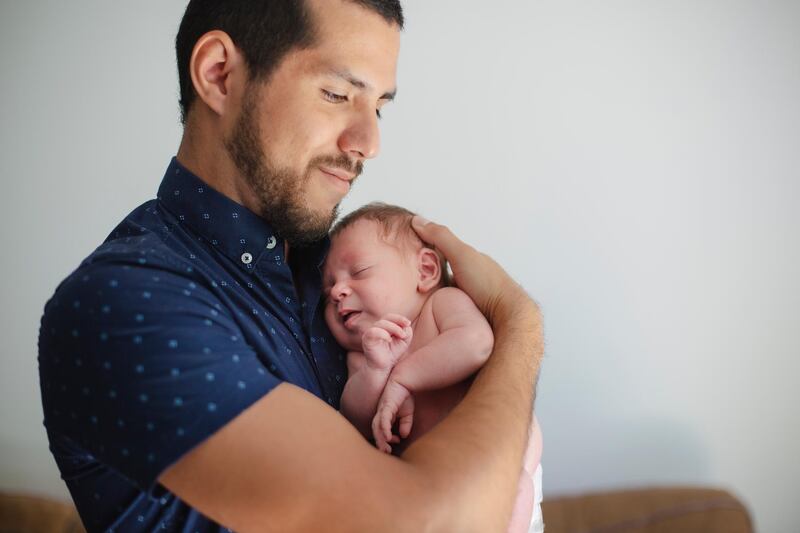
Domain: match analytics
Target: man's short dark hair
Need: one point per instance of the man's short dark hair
(264, 30)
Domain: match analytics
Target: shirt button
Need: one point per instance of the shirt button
(247, 258)
(271, 243)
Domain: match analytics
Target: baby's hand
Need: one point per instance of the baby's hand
(386, 341)
(396, 403)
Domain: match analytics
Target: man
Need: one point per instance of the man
(188, 380)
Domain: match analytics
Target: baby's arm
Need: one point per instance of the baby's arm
(461, 347)
(361, 392)
(368, 371)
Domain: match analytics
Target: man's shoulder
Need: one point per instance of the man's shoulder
(142, 244)
(141, 257)
(148, 236)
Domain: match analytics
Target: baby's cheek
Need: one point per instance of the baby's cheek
(330, 320)
(337, 330)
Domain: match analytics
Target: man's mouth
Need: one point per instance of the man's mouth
(340, 180)
(338, 173)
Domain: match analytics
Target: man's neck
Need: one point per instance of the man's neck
(203, 153)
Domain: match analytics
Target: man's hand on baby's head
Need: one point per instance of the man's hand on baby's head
(385, 342)
(494, 292)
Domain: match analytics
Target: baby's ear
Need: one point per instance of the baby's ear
(430, 270)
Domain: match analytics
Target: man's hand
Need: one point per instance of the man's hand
(396, 403)
(499, 297)
(386, 341)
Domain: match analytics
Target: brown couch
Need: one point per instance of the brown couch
(30, 514)
(661, 510)
(665, 510)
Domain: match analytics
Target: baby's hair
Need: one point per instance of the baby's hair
(395, 226)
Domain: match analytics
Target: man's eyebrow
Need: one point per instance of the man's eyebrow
(360, 84)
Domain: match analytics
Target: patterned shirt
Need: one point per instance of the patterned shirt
(185, 316)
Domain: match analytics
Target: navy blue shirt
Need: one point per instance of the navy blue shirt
(185, 316)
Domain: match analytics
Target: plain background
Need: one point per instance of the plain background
(634, 164)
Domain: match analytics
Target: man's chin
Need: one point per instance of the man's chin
(310, 229)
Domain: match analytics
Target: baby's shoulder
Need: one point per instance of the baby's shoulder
(450, 297)
(452, 305)
(452, 308)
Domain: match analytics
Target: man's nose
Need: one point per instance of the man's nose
(362, 138)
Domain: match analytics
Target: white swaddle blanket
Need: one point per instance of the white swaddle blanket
(537, 521)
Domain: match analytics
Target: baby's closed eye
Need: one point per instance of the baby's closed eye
(361, 270)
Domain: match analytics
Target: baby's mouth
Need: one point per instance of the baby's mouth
(349, 318)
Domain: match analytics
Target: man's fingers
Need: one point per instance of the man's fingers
(438, 235)
(477, 274)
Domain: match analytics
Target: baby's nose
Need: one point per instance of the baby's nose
(339, 291)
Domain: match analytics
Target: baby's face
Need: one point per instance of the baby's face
(366, 278)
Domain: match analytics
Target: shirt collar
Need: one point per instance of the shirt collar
(234, 230)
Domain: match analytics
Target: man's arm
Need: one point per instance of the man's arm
(291, 463)
(490, 425)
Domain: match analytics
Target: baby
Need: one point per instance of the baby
(414, 343)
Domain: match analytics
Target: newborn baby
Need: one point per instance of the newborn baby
(414, 343)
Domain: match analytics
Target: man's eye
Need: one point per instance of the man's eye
(360, 271)
(333, 97)
(378, 113)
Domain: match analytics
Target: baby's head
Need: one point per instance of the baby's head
(377, 265)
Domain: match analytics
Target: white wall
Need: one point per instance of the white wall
(633, 163)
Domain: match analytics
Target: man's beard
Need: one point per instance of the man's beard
(280, 191)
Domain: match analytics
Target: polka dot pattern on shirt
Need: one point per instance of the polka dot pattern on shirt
(161, 337)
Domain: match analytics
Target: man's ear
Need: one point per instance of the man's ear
(215, 67)
(430, 270)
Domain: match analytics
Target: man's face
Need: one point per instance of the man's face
(301, 138)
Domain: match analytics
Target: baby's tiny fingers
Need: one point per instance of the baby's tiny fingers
(392, 328)
(386, 425)
(400, 320)
(380, 443)
(377, 334)
(405, 426)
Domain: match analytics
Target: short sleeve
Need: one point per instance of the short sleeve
(139, 365)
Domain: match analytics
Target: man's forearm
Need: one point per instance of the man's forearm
(481, 443)
(461, 476)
